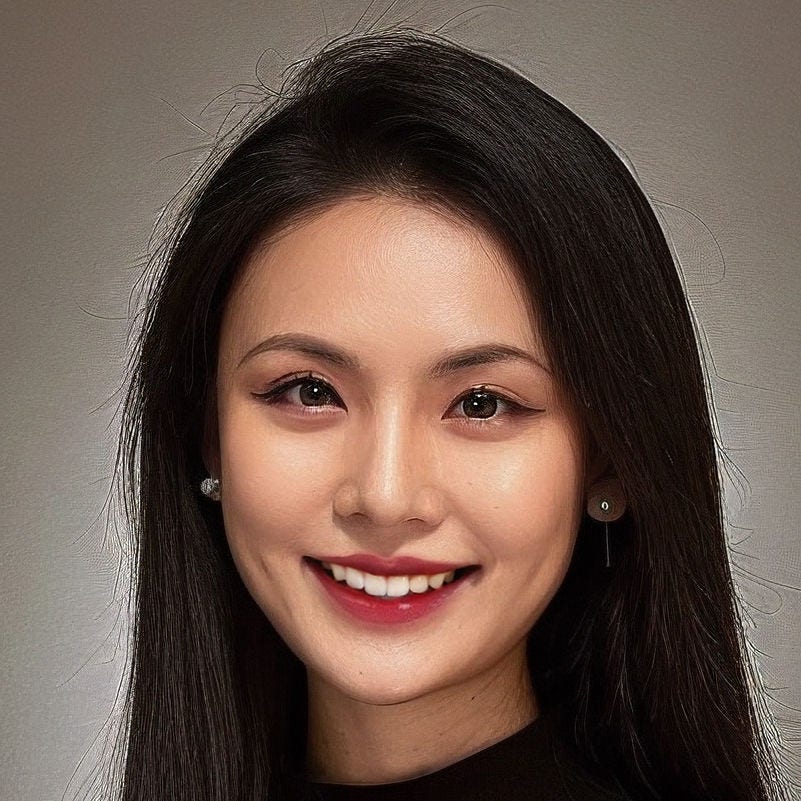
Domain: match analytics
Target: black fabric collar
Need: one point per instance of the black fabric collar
(529, 765)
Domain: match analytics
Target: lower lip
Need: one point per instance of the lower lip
(373, 609)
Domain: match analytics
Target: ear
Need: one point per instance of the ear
(606, 498)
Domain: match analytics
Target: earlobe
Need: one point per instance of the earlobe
(606, 500)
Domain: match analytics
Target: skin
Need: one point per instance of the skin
(394, 463)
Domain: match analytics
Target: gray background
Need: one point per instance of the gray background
(103, 110)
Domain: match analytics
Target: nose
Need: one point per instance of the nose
(390, 474)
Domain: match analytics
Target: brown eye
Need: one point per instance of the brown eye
(314, 393)
(307, 392)
(479, 409)
(480, 404)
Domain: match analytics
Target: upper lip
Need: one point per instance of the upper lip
(394, 566)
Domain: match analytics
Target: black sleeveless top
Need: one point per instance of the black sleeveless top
(530, 765)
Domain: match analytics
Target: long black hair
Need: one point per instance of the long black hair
(643, 665)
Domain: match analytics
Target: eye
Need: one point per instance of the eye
(309, 392)
(480, 407)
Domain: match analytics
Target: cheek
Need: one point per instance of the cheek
(276, 483)
(524, 497)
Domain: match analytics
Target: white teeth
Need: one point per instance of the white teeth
(435, 582)
(397, 586)
(354, 578)
(375, 585)
(388, 586)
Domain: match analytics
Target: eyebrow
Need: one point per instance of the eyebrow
(452, 362)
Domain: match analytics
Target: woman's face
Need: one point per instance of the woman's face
(352, 430)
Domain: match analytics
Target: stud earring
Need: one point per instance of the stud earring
(210, 487)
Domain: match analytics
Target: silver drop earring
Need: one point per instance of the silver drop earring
(606, 508)
(210, 487)
(605, 504)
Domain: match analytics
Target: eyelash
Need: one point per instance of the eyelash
(272, 397)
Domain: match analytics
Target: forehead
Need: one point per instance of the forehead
(382, 273)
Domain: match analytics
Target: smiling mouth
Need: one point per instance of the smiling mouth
(394, 586)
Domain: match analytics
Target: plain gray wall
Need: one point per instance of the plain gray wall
(702, 96)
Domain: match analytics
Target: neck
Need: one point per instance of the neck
(354, 742)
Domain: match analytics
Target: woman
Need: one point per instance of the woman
(419, 340)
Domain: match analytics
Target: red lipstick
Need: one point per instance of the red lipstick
(385, 610)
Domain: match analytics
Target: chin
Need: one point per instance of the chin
(385, 695)
(378, 687)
